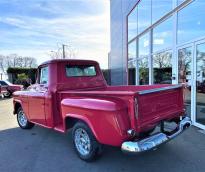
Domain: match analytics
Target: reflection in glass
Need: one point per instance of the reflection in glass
(132, 48)
(184, 63)
(200, 92)
(142, 61)
(143, 71)
(191, 23)
(162, 67)
(160, 8)
(162, 35)
(144, 15)
(132, 24)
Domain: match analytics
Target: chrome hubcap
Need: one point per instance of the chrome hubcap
(22, 119)
(82, 141)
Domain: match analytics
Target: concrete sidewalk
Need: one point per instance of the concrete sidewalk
(45, 150)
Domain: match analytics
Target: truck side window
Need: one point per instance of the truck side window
(44, 75)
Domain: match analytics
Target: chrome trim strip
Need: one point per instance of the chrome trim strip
(159, 89)
(154, 140)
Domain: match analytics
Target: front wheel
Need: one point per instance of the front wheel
(85, 143)
(22, 120)
(7, 94)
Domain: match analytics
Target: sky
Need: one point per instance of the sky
(37, 27)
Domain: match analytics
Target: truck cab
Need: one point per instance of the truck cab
(73, 94)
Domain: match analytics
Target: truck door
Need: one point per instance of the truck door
(37, 98)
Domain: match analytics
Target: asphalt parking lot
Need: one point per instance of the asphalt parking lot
(45, 150)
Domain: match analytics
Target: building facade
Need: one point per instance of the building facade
(160, 42)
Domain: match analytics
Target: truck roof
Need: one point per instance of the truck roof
(68, 60)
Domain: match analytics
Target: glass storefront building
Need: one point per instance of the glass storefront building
(161, 42)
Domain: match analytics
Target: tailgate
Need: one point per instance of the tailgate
(159, 104)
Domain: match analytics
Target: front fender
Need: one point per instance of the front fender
(108, 119)
(21, 100)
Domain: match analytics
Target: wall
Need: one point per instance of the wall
(119, 10)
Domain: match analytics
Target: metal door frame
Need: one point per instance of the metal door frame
(194, 85)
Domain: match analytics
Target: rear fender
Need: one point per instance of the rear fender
(108, 119)
(84, 119)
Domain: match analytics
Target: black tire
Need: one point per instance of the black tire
(7, 94)
(27, 124)
(95, 148)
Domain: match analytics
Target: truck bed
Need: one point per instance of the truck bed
(148, 105)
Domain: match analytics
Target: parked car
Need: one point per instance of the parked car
(9, 88)
(201, 86)
(73, 94)
(3, 91)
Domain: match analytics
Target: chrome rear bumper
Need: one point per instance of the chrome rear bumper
(154, 140)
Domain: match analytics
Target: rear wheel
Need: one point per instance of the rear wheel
(22, 120)
(85, 143)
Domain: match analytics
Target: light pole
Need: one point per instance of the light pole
(63, 45)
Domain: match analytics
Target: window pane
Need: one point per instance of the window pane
(160, 8)
(162, 35)
(191, 23)
(143, 51)
(143, 71)
(80, 70)
(200, 90)
(144, 45)
(184, 57)
(132, 48)
(162, 68)
(144, 15)
(184, 74)
(132, 24)
(44, 75)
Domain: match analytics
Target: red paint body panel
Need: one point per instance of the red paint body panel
(106, 123)
(108, 110)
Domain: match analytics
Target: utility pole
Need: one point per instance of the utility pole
(63, 45)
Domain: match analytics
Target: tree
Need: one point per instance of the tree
(14, 60)
(162, 60)
(70, 52)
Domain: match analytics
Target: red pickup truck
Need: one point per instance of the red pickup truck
(73, 94)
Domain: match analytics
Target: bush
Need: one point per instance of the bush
(18, 75)
(21, 79)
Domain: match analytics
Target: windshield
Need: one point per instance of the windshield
(80, 70)
(8, 83)
(4, 83)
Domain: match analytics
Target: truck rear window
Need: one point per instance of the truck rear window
(80, 70)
